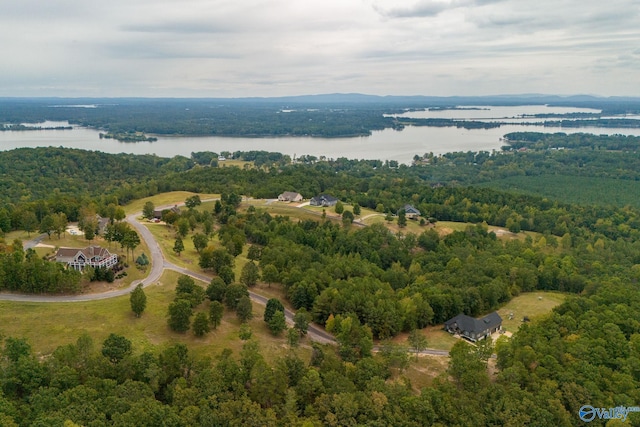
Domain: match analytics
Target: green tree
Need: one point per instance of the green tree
(200, 241)
(293, 338)
(47, 225)
(216, 289)
(356, 209)
(131, 241)
(60, 223)
(339, 208)
(254, 252)
(182, 226)
(250, 274)
(354, 340)
(402, 218)
(29, 222)
(116, 347)
(178, 246)
(215, 259)
(193, 201)
(277, 323)
(201, 325)
(270, 309)
(301, 321)
(347, 218)
(147, 210)
(244, 309)
(138, 300)
(216, 311)
(270, 274)
(417, 340)
(15, 348)
(180, 312)
(233, 294)
(188, 289)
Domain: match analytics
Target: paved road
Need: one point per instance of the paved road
(158, 265)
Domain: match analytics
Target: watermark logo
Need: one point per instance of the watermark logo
(588, 413)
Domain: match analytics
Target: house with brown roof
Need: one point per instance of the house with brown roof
(290, 196)
(92, 256)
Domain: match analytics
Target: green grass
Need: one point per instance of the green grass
(164, 199)
(530, 304)
(49, 325)
(573, 189)
(424, 369)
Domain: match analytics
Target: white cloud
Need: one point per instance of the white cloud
(284, 47)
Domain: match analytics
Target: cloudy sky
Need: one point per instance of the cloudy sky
(238, 48)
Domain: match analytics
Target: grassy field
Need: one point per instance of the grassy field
(530, 304)
(424, 369)
(49, 325)
(165, 199)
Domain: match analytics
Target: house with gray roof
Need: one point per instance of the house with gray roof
(474, 329)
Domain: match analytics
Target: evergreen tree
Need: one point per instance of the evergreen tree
(138, 300)
(178, 246)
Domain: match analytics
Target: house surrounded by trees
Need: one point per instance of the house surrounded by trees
(323, 200)
(92, 256)
(411, 212)
(157, 213)
(474, 329)
(290, 196)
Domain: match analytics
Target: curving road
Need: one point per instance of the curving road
(158, 265)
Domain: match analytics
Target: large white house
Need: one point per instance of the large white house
(93, 256)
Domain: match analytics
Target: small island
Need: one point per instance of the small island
(128, 136)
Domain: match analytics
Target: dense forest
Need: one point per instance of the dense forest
(322, 116)
(362, 283)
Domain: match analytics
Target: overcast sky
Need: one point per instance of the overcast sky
(238, 48)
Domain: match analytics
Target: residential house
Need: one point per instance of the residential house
(411, 212)
(157, 213)
(290, 196)
(323, 200)
(474, 329)
(93, 256)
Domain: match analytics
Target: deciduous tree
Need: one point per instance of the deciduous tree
(201, 325)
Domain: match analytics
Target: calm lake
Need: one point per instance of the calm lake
(384, 145)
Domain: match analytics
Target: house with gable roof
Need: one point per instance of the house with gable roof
(92, 256)
(323, 200)
(290, 196)
(474, 329)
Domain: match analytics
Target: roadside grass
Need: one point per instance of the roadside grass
(47, 326)
(19, 234)
(166, 238)
(530, 304)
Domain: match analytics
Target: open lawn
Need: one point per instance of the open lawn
(164, 199)
(49, 325)
(424, 369)
(530, 304)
